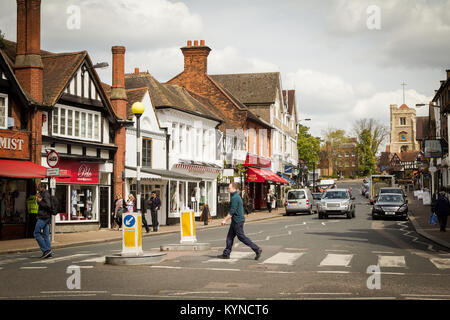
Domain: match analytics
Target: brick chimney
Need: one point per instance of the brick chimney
(28, 66)
(119, 103)
(448, 73)
(196, 57)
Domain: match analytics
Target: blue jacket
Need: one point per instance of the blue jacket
(237, 208)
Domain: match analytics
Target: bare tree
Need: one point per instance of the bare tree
(378, 131)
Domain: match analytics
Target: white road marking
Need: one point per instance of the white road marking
(54, 260)
(316, 293)
(340, 260)
(385, 252)
(323, 223)
(31, 268)
(424, 295)
(392, 261)
(195, 292)
(283, 258)
(2, 262)
(97, 259)
(441, 263)
(331, 250)
(73, 291)
(393, 273)
(86, 267)
(234, 256)
(333, 271)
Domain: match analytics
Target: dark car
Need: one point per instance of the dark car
(390, 205)
(392, 190)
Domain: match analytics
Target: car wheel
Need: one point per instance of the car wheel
(374, 217)
(353, 214)
(311, 211)
(325, 216)
(349, 215)
(320, 215)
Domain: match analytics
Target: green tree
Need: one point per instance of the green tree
(378, 131)
(308, 146)
(336, 137)
(367, 162)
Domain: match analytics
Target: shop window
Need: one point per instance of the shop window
(182, 204)
(3, 111)
(83, 203)
(13, 194)
(173, 196)
(193, 196)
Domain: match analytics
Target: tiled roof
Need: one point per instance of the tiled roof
(251, 88)
(404, 106)
(408, 156)
(134, 95)
(167, 95)
(289, 99)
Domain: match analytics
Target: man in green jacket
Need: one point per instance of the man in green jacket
(237, 225)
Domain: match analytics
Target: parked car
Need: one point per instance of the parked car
(392, 190)
(299, 200)
(336, 202)
(392, 205)
(316, 196)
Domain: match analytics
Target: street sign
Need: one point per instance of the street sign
(52, 172)
(52, 183)
(129, 221)
(132, 234)
(53, 159)
(228, 172)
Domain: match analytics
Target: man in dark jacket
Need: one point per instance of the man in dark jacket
(237, 225)
(42, 228)
(155, 205)
(144, 208)
(442, 208)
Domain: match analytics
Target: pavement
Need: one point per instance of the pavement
(63, 240)
(419, 215)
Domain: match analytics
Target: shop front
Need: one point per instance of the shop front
(84, 196)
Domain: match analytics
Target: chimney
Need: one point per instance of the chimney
(28, 65)
(196, 57)
(136, 70)
(118, 93)
(448, 73)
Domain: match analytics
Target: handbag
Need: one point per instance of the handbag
(433, 219)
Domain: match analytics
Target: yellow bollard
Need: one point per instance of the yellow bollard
(187, 225)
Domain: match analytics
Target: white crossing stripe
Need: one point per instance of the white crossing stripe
(441, 263)
(392, 261)
(337, 260)
(283, 258)
(54, 260)
(96, 259)
(234, 256)
(7, 261)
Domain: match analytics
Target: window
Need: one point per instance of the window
(353, 164)
(181, 139)
(146, 152)
(347, 154)
(173, 136)
(402, 121)
(339, 155)
(3, 111)
(76, 123)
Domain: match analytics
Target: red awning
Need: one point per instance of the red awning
(21, 169)
(260, 175)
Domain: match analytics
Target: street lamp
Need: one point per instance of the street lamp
(138, 109)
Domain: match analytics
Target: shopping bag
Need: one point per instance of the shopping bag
(433, 219)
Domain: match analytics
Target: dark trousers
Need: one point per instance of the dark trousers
(155, 223)
(442, 221)
(269, 207)
(237, 229)
(144, 221)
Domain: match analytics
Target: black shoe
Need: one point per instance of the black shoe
(221, 256)
(258, 254)
(47, 254)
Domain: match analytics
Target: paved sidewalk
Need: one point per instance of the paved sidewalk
(419, 215)
(63, 240)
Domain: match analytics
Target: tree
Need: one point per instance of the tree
(308, 146)
(367, 162)
(336, 137)
(378, 132)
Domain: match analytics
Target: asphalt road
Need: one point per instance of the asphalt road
(303, 258)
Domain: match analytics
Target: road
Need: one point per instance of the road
(303, 258)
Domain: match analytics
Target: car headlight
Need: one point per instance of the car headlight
(346, 203)
(378, 208)
(403, 208)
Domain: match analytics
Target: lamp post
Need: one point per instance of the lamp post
(138, 109)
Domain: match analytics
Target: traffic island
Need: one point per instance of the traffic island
(133, 260)
(186, 247)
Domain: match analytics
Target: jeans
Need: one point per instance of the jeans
(237, 229)
(155, 223)
(43, 239)
(442, 222)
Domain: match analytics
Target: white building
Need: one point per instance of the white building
(174, 121)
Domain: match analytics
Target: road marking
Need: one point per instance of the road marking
(31, 268)
(333, 271)
(283, 258)
(297, 249)
(393, 273)
(441, 263)
(54, 260)
(316, 293)
(12, 260)
(86, 267)
(188, 268)
(385, 252)
(424, 295)
(281, 272)
(336, 250)
(97, 259)
(392, 261)
(194, 292)
(73, 291)
(340, 260)
(234, 256)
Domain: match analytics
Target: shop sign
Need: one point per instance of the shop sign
(433, 149)
(14, 145)
(53, 159)
(288, 169)
(79, 172)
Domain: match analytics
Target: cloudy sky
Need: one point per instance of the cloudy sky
(346, 59)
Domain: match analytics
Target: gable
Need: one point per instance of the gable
(83, 85)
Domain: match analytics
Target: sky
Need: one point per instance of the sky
(346, 59)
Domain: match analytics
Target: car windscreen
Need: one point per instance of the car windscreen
(390, 198)
(292, 195)
(336, 195)
(399, 191)
(317, 196)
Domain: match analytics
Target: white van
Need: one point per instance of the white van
(299, 200)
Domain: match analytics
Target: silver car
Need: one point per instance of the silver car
(336, 202)
(299, 200)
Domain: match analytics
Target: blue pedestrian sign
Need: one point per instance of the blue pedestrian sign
(129, 221)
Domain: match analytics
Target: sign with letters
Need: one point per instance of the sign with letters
(79, 172)
(14, 144)
(433, 149)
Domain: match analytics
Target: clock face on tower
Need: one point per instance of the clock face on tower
(403, 136)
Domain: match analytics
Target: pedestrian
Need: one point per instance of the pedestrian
(42, 228)
(350, 190)
(269, 200)
(205, 214)
(442, 208)
(131, 203)
(245, 200)
(237, 217)
(118, 211)
(155, 205)
(144, 209)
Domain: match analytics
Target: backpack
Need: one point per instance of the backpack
(54, 204)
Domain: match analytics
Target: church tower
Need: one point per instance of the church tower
(403, 129)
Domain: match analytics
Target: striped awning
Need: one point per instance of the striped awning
(193, 167)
